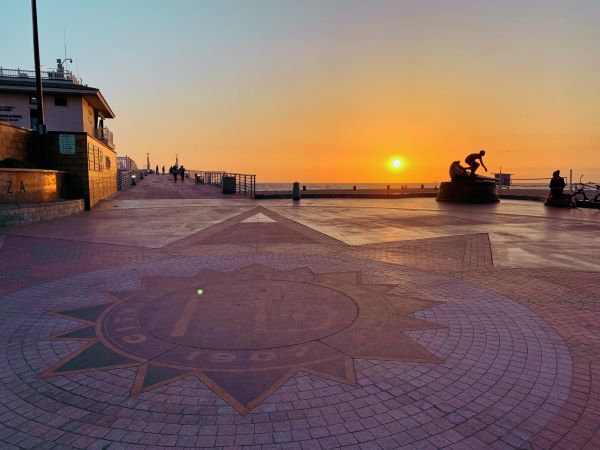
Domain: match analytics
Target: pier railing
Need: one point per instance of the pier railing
(245, 184)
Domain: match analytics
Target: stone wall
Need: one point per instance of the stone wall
(91, 164)
(102, 171)
(15, 142)
(75, 164)
(30, 185)
(92, 167)
(11, 215)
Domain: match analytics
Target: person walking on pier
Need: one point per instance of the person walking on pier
(174, 172)
(163, 170)
(181, 173)
(157, 172)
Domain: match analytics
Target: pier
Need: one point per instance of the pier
(175, 315)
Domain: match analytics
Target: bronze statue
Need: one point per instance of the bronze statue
(472, 159)
(466, 186)
(457, 171)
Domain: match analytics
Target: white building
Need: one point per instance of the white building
(69, 106)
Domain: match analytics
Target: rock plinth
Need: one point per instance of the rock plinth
(469, 190)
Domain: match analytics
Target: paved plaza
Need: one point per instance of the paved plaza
(174, 317)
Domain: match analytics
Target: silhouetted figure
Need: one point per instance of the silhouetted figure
(557, 184)
(174, 172)
(472, 159)
(466, 186)
(163, 170)
(181, 173)
(157, 170)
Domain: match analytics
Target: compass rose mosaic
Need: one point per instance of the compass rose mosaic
(244, 333)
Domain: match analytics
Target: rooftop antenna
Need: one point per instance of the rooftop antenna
(65, 40)
(60, 67)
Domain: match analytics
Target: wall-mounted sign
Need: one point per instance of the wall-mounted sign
(10, 117)
(7, 114)
(66, 144)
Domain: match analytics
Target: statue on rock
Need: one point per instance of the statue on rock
(466, 186)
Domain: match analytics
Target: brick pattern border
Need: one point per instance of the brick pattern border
(21, 214)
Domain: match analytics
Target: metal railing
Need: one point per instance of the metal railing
(58, 75)
(104, 134)
(126, 163)
(245, 184)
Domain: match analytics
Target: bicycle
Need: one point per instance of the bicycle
(580, 195)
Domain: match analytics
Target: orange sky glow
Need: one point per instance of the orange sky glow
(332, 91)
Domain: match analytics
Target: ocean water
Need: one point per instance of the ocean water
(332, 186)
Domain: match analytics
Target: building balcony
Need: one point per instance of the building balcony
(105, 135)
(55, 75)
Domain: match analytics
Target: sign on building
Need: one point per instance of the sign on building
(66, 144)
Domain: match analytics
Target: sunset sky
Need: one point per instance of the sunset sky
(333, 90)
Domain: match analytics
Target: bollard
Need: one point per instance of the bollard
(354, 187)
(296, 191)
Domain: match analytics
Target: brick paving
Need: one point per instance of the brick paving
(305, 341)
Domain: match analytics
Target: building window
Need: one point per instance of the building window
(60, 101)
(32, 100)
(107, 162)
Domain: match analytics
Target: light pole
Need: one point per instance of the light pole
(176, 159)
(38, 72)
(148, 161)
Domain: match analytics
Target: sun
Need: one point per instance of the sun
(396, 163)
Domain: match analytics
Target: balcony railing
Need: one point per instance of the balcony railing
(57, 75)
(104, 134)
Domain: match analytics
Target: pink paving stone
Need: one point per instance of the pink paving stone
(472, 333)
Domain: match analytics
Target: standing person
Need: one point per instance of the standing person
(472, 159)
(182, 173)
(174, 172)
(156, 170)
(163, 170)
